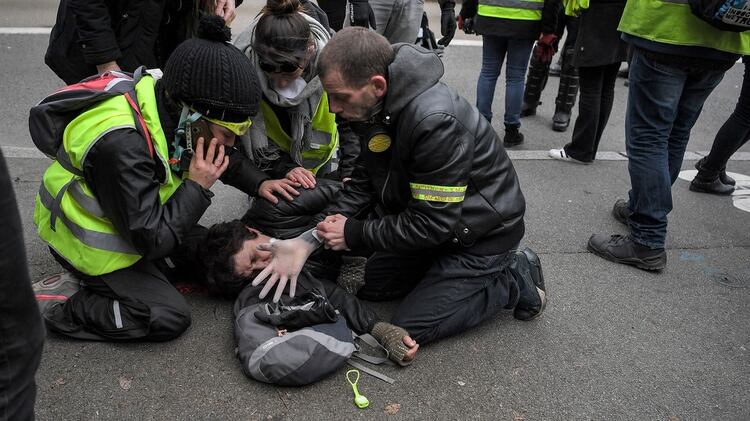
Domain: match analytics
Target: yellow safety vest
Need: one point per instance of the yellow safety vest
(672, 22)
(315, 155)
(67, 214)
(511, 9)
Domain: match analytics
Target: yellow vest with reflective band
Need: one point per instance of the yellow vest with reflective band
(314, 156)
(672, 22)
(511, 9)
(67, 215)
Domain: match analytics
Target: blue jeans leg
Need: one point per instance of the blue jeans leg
(519, 51)
(664, 102)
(493, 55)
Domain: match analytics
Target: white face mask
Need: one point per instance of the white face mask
(291, 90)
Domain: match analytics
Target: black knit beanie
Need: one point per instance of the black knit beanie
(212, 76)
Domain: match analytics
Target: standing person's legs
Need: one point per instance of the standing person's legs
(135, 303)
(597, 95)
(21, 328)
(493, 54)
(698, 87)
(519, 51)
(656, 139)
(734, 133)
(403, 22)
(581, 146)
(607, 99)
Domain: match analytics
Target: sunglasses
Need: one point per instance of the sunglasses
(280, 68)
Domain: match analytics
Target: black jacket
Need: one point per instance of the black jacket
(125, 180)
(133, 33)
(438, 139)
(598, 42)
(513, 28)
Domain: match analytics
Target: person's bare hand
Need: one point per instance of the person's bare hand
(302, 176)
(413, 348)
(107, 67)
(206, 170)
(227, 10)
(331, 230)
(284, 187)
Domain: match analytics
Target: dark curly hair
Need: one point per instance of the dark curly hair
(222, 242)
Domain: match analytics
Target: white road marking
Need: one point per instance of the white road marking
(31, 30)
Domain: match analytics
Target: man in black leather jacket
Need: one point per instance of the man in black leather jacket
(449, 205)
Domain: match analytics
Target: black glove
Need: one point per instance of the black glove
(447, 22)
(361, 14)
(466, 25)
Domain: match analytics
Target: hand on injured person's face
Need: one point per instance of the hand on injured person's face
(287, 259)
(331, 230)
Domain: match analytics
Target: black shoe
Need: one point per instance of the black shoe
(533, 294)
(622, 249)
(621, 210)
(714, 186)
(527, 110)
(723, 177)
(729, 181)
(560, 121)
(512, 137)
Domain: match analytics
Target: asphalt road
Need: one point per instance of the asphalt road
(615, 342)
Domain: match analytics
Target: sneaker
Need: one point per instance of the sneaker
(513, 136)
(55, 289)
(561, 155)
(621, 211)
(622, 249)
(555, 69)
(533, 295)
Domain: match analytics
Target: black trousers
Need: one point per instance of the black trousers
(597, 86)
(443, 293)
(135, 303)
(21, 329)
(735, 132)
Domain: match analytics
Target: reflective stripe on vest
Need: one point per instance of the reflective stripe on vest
(511, 9)
(67, 214)
(315, 156)
(672, 22)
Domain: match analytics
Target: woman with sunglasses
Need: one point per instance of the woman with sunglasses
(295, 137)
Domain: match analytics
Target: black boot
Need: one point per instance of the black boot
(566, 93)
(536, 80)
(513, 136)
(532, 292)
(709, 181)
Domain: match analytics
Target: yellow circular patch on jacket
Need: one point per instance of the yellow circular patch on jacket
(379, 142)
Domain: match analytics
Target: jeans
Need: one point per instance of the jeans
(597, 95)
(397, 20)
(664, 101)
(21, 329)
(443, 293)
(734, 133)
(494, 50)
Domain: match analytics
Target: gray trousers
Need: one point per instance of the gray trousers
(397, 20)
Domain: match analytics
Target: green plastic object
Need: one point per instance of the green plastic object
(359, 400)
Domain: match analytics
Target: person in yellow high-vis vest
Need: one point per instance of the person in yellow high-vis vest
(120, 210)
(678, 59)
(294, 136)
(509, 29)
